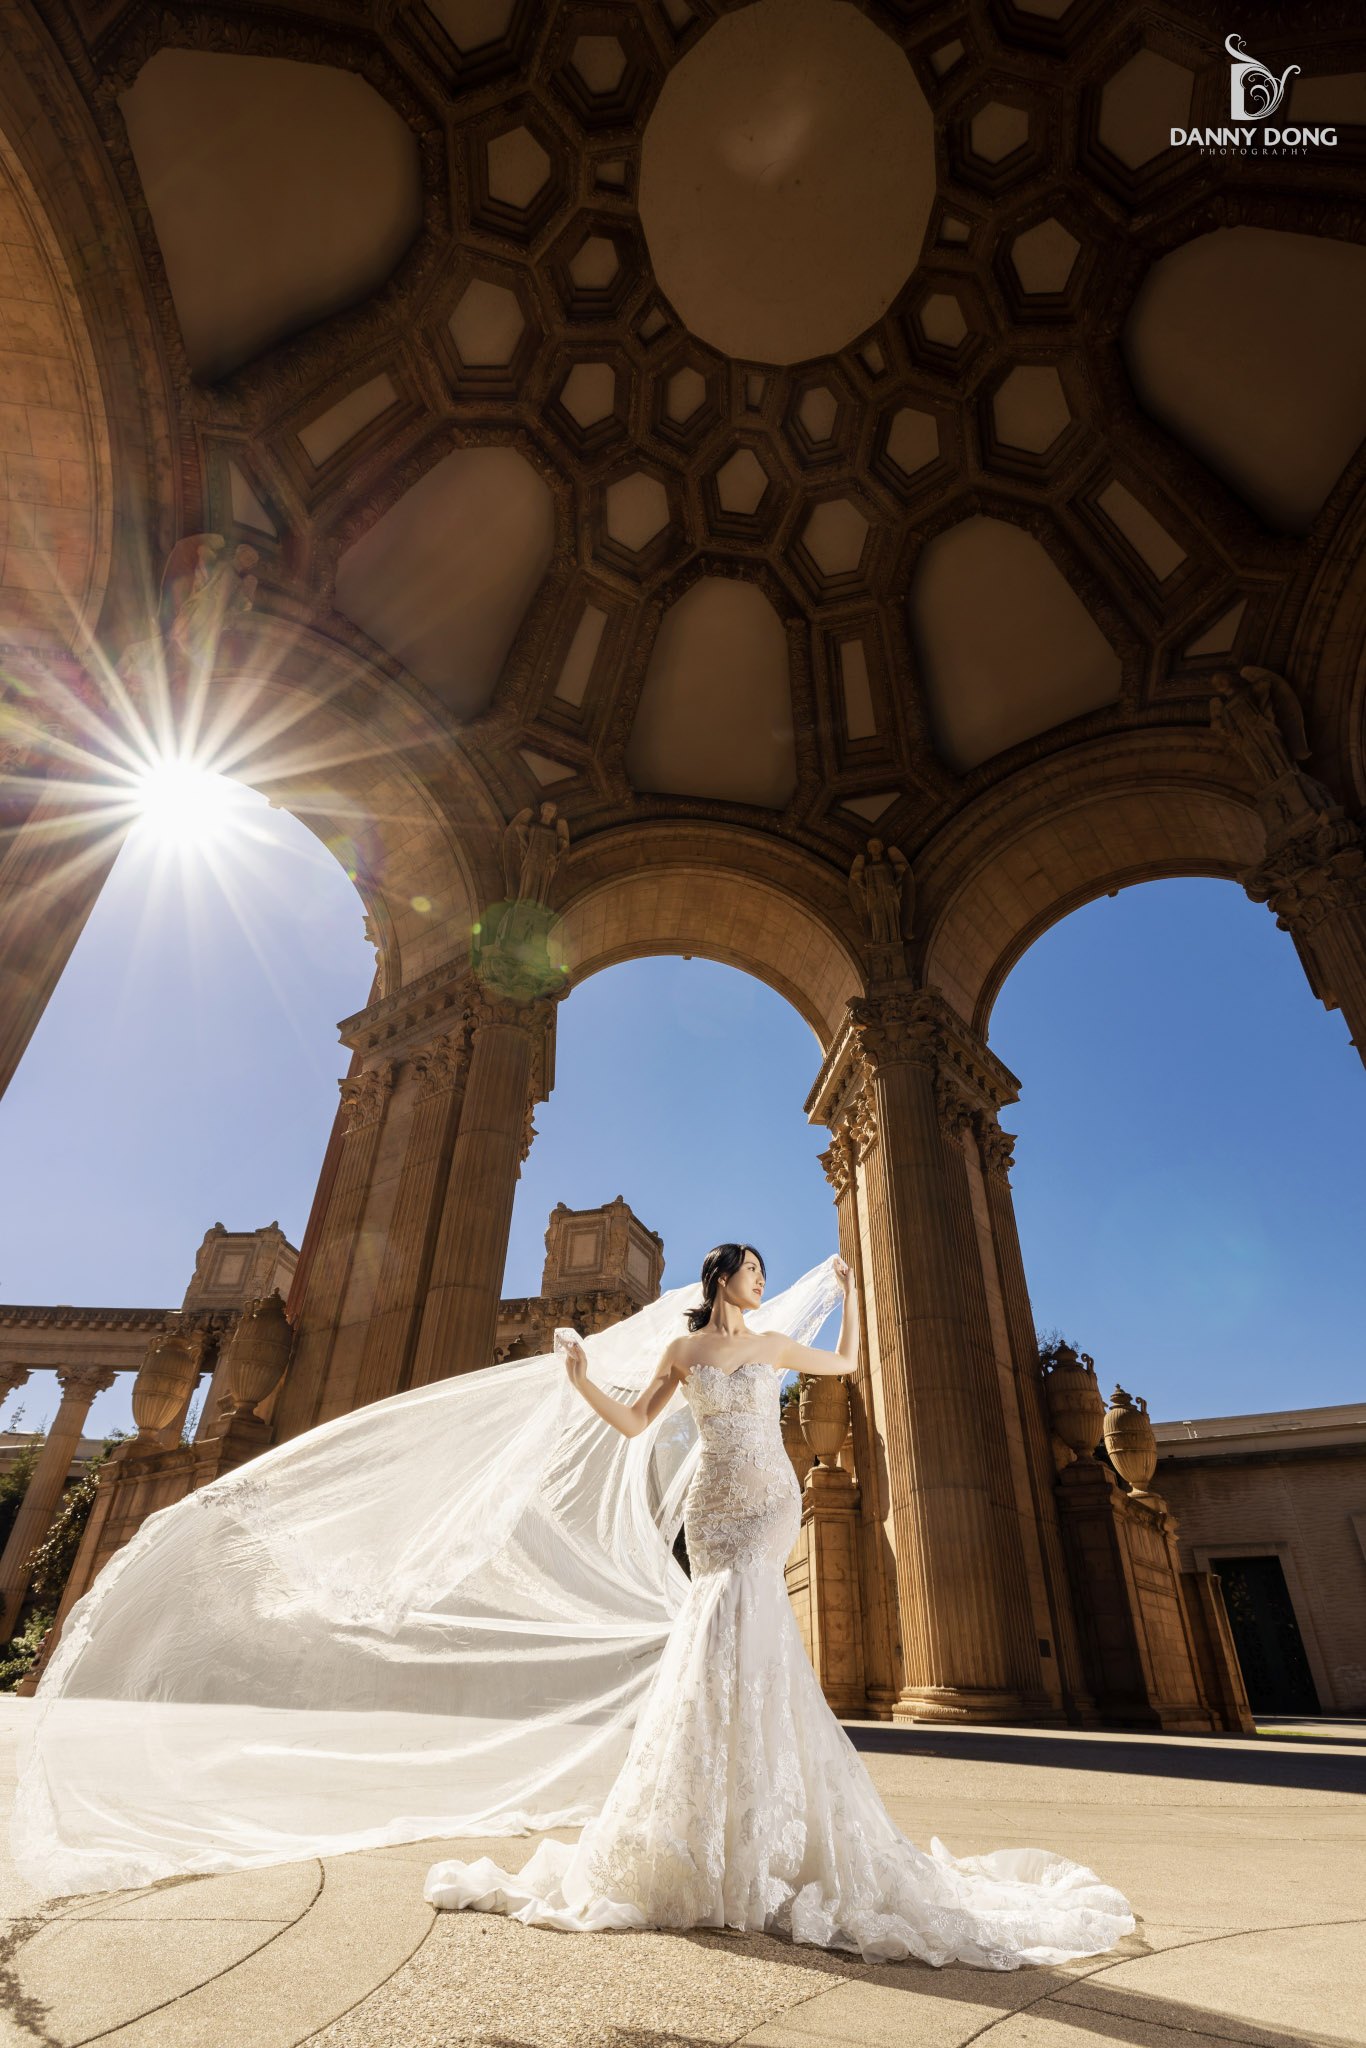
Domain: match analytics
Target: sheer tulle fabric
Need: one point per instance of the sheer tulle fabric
(742, 1802)
(438, 1615)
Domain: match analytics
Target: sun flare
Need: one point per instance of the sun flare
(182, 804)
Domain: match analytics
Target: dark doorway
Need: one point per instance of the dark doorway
(1270, 1648)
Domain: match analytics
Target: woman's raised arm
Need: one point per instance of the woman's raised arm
(795, 1357)
(630, 1418)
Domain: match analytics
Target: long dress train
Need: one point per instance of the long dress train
(742, 1803)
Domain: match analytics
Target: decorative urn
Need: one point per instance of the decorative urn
(1130, 1441)
(165, 1381)
(257, 1354)
(1076, 1406)
(824, 1412)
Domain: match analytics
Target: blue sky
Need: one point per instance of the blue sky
(1191, 1125)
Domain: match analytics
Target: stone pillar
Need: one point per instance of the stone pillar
(51, 872)
(876, 1564)
(996, 1152)
(79, 1385)
(969, 1649)
(364, 1097)
(510, 1066)
(405, 1269)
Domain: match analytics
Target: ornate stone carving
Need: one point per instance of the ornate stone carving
(882, 891)
(957, 1110)
(906, 1027)
(1315, 861)
(202, 591)
(823, 1409)
(838, 1164)
(533, 847)
(442, 1065)
(364, 1095)
(997, 1147)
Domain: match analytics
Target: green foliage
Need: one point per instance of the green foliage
(51, 1562)
(18, 1657)
(14, 1485)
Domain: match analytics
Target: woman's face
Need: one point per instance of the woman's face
(745, 1287)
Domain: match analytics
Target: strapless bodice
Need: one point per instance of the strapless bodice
(743, 1507)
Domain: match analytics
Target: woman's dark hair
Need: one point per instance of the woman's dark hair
(720, 1263)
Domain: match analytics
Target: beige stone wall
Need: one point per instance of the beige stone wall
(1310, 1511)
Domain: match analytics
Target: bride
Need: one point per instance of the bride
(456, 1614)
(742, 1803)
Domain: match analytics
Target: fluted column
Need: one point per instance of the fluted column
(996, 1151)
(386, 1363)
(79, 1385)
(876, 1565)
(365, 1097)
(509, 1070)
(51, 873)
(968, 1646)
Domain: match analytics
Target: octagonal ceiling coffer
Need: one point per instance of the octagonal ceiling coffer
(518, 176)
(1029, 413)
(1140, 105)
(604, 74)
(591, 406)
(907, 447)
(596, 267)
(637, 530)
(741, 497)
(492, 338)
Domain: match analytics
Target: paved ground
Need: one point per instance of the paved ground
(1246, 1861)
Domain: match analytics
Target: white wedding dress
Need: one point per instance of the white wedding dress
(742, 1803)
(456, 1614)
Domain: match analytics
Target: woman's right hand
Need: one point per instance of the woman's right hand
(576, 1365)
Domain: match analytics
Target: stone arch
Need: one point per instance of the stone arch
(720, 892)
(326, 738)
(55, 493)
(1121, 814)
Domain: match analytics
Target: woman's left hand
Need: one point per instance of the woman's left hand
(843, 1273)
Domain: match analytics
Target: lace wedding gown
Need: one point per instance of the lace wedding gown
(742, 1803)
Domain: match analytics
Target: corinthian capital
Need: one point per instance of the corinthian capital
(904, 1028)
(838, 1163)
(1312, 876)
(441, 1066)
(997, 1147)
(364, 1095)
(83, 1382)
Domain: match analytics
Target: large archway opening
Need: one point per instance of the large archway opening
(1189, 1125)
(679, 1085)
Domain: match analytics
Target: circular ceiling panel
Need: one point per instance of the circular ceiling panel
(787, 179)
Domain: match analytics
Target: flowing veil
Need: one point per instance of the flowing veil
(435, 1616)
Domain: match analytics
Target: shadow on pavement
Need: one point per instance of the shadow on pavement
(1209, 1762)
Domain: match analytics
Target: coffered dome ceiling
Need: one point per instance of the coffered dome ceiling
(776, 412)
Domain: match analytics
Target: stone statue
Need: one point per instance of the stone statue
(882, 891)
(202, 590)
(532, 850)
(1262, 716)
